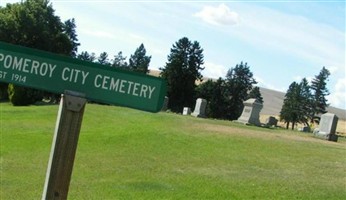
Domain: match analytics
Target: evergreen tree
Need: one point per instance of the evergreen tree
(103, 59)
(306, 101)
(119, 61)
(218, 102)
(297, 104)
(139, 62)
(255, 93)
(181, 72)
(289, 107)
(70, 31)
(84, 55)
(239, 81)
(320, 91)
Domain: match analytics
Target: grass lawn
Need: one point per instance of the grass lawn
(129, 154)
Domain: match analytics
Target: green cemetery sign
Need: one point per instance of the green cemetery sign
(55, 73)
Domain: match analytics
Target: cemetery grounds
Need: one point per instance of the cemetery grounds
(129, 154)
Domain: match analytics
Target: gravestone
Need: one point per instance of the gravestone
(305, 129)
(187, 111)
(251, 111)
(199, 110)
(327, 128)
(165, 104)
(271, 121)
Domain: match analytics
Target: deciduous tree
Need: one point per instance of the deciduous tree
(214, 93)
(239, 81)
(33, 23)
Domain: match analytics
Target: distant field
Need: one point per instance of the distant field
(129, 154)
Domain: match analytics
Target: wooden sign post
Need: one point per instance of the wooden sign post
(64, 146)
(55, 73)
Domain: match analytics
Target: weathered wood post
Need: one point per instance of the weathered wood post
(64, 146)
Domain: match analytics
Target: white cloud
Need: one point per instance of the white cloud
(297, 78)
(332, 69)
(214, 71)
(98, 33)
(137, 37)
(294, 35)
(337, 97)
(220, 15)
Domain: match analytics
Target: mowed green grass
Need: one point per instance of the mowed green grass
(129, 154)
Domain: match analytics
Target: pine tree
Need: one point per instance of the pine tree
(255, 93)
(320, 91)
(181, 72)
(84, 55)
(119, 61)
(217, 104)
(70, 31)
(103, 59)
(289, 109)
(297, 104)
(139, 62)
(305, 102)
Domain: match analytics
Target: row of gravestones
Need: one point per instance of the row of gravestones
(199, 110)
(251, 115)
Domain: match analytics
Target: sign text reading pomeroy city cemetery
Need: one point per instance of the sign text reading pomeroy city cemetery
(54, 73)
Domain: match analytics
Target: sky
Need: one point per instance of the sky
(281, 41)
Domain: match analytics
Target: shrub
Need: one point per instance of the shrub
(3, 91)
(21, 96)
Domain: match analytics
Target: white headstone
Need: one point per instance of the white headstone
(187, 111)
(199, 111)
(251, 111)
(328, 123)
(327, 128)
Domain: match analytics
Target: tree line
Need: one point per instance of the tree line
(32, 23)
(225, 96)
(138, 61)
(305, 102)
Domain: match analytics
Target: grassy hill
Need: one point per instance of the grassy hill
(129, 154)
